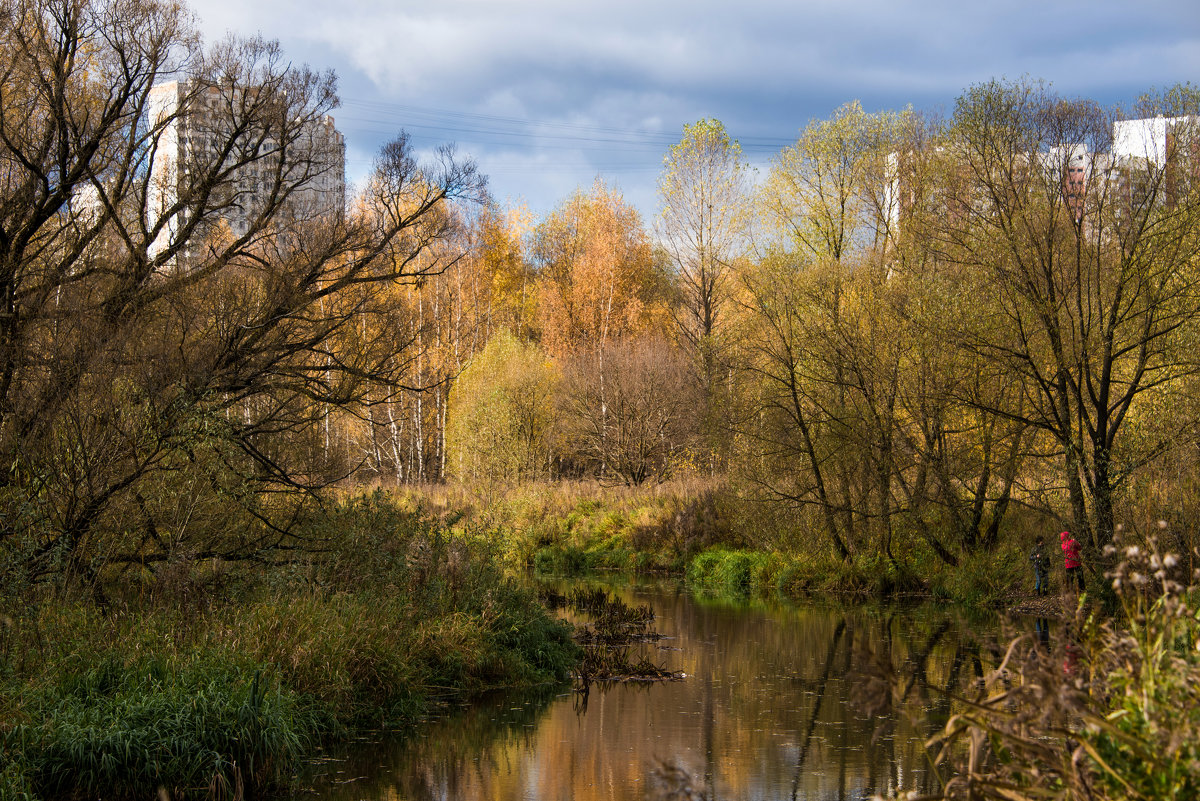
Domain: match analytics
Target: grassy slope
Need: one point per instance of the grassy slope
(719, 541)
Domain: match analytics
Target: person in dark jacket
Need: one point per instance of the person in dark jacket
(1071, 560)
(1041, 566)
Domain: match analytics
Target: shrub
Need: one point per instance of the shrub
(732, 572)
(561, 560)
(797, 579)
(123, 731)
(987, 578)
(220, 699)
(1112, 712)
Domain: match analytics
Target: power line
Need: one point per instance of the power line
(498, 130)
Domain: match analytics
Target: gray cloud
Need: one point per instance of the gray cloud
(547, 94)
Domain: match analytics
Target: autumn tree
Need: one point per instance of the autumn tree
(962, 449)
(503, 413)
(152, 355)
(482, 285)
(847, 348)
(703, 223)
(818, 348)
(598, 277)
(1083, 256)
(632, 415)
(498, 279)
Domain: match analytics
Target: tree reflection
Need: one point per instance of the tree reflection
(777, 703)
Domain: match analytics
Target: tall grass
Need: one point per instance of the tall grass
(733, 572)
(386, 616)
(741, 573)
(120, 731)
(568, 527)
(1110, 711)
(723, 542)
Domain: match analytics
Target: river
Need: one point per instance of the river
(773, 706)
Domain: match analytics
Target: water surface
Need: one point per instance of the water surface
(773, 706)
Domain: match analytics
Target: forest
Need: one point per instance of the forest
(904, 347)
(907, 332)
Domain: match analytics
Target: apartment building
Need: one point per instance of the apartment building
(1139, 147)
(200, 122)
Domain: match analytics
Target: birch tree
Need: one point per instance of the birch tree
(704, 214)
(598, 277)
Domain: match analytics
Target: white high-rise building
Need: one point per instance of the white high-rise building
(1153, 139)
(199, 123)
(1170, 144)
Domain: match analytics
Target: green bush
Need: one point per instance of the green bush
(987, 579)
(732, 572)
(119, 731)
(797, 579)
(649, 528)
(562, 560)
(534, 647)
(215, 699)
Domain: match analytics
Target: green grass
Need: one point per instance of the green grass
(742, 573)
(225, 694)
(733, 572)
(987, 579)
(574, 528)
(120, 731)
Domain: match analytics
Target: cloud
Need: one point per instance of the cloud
(764, 67)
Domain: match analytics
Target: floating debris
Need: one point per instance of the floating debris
(607, 639)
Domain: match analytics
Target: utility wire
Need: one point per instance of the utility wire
(496, 130)
(605, 149)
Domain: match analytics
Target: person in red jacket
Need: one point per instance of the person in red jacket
(1071, 560)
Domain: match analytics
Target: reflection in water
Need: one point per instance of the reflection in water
(1042, 627)
(770, 710)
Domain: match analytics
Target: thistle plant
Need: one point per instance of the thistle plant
(1111, 711)
(1147, 745)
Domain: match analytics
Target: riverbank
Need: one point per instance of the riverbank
(721, 542)
(217, 680)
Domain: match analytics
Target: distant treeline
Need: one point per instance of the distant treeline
(906, 326)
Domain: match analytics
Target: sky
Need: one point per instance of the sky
(548, 95)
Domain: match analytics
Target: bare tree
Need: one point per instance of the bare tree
(145, 339)
(632, 414)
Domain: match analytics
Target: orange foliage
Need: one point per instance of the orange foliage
(599, 278)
